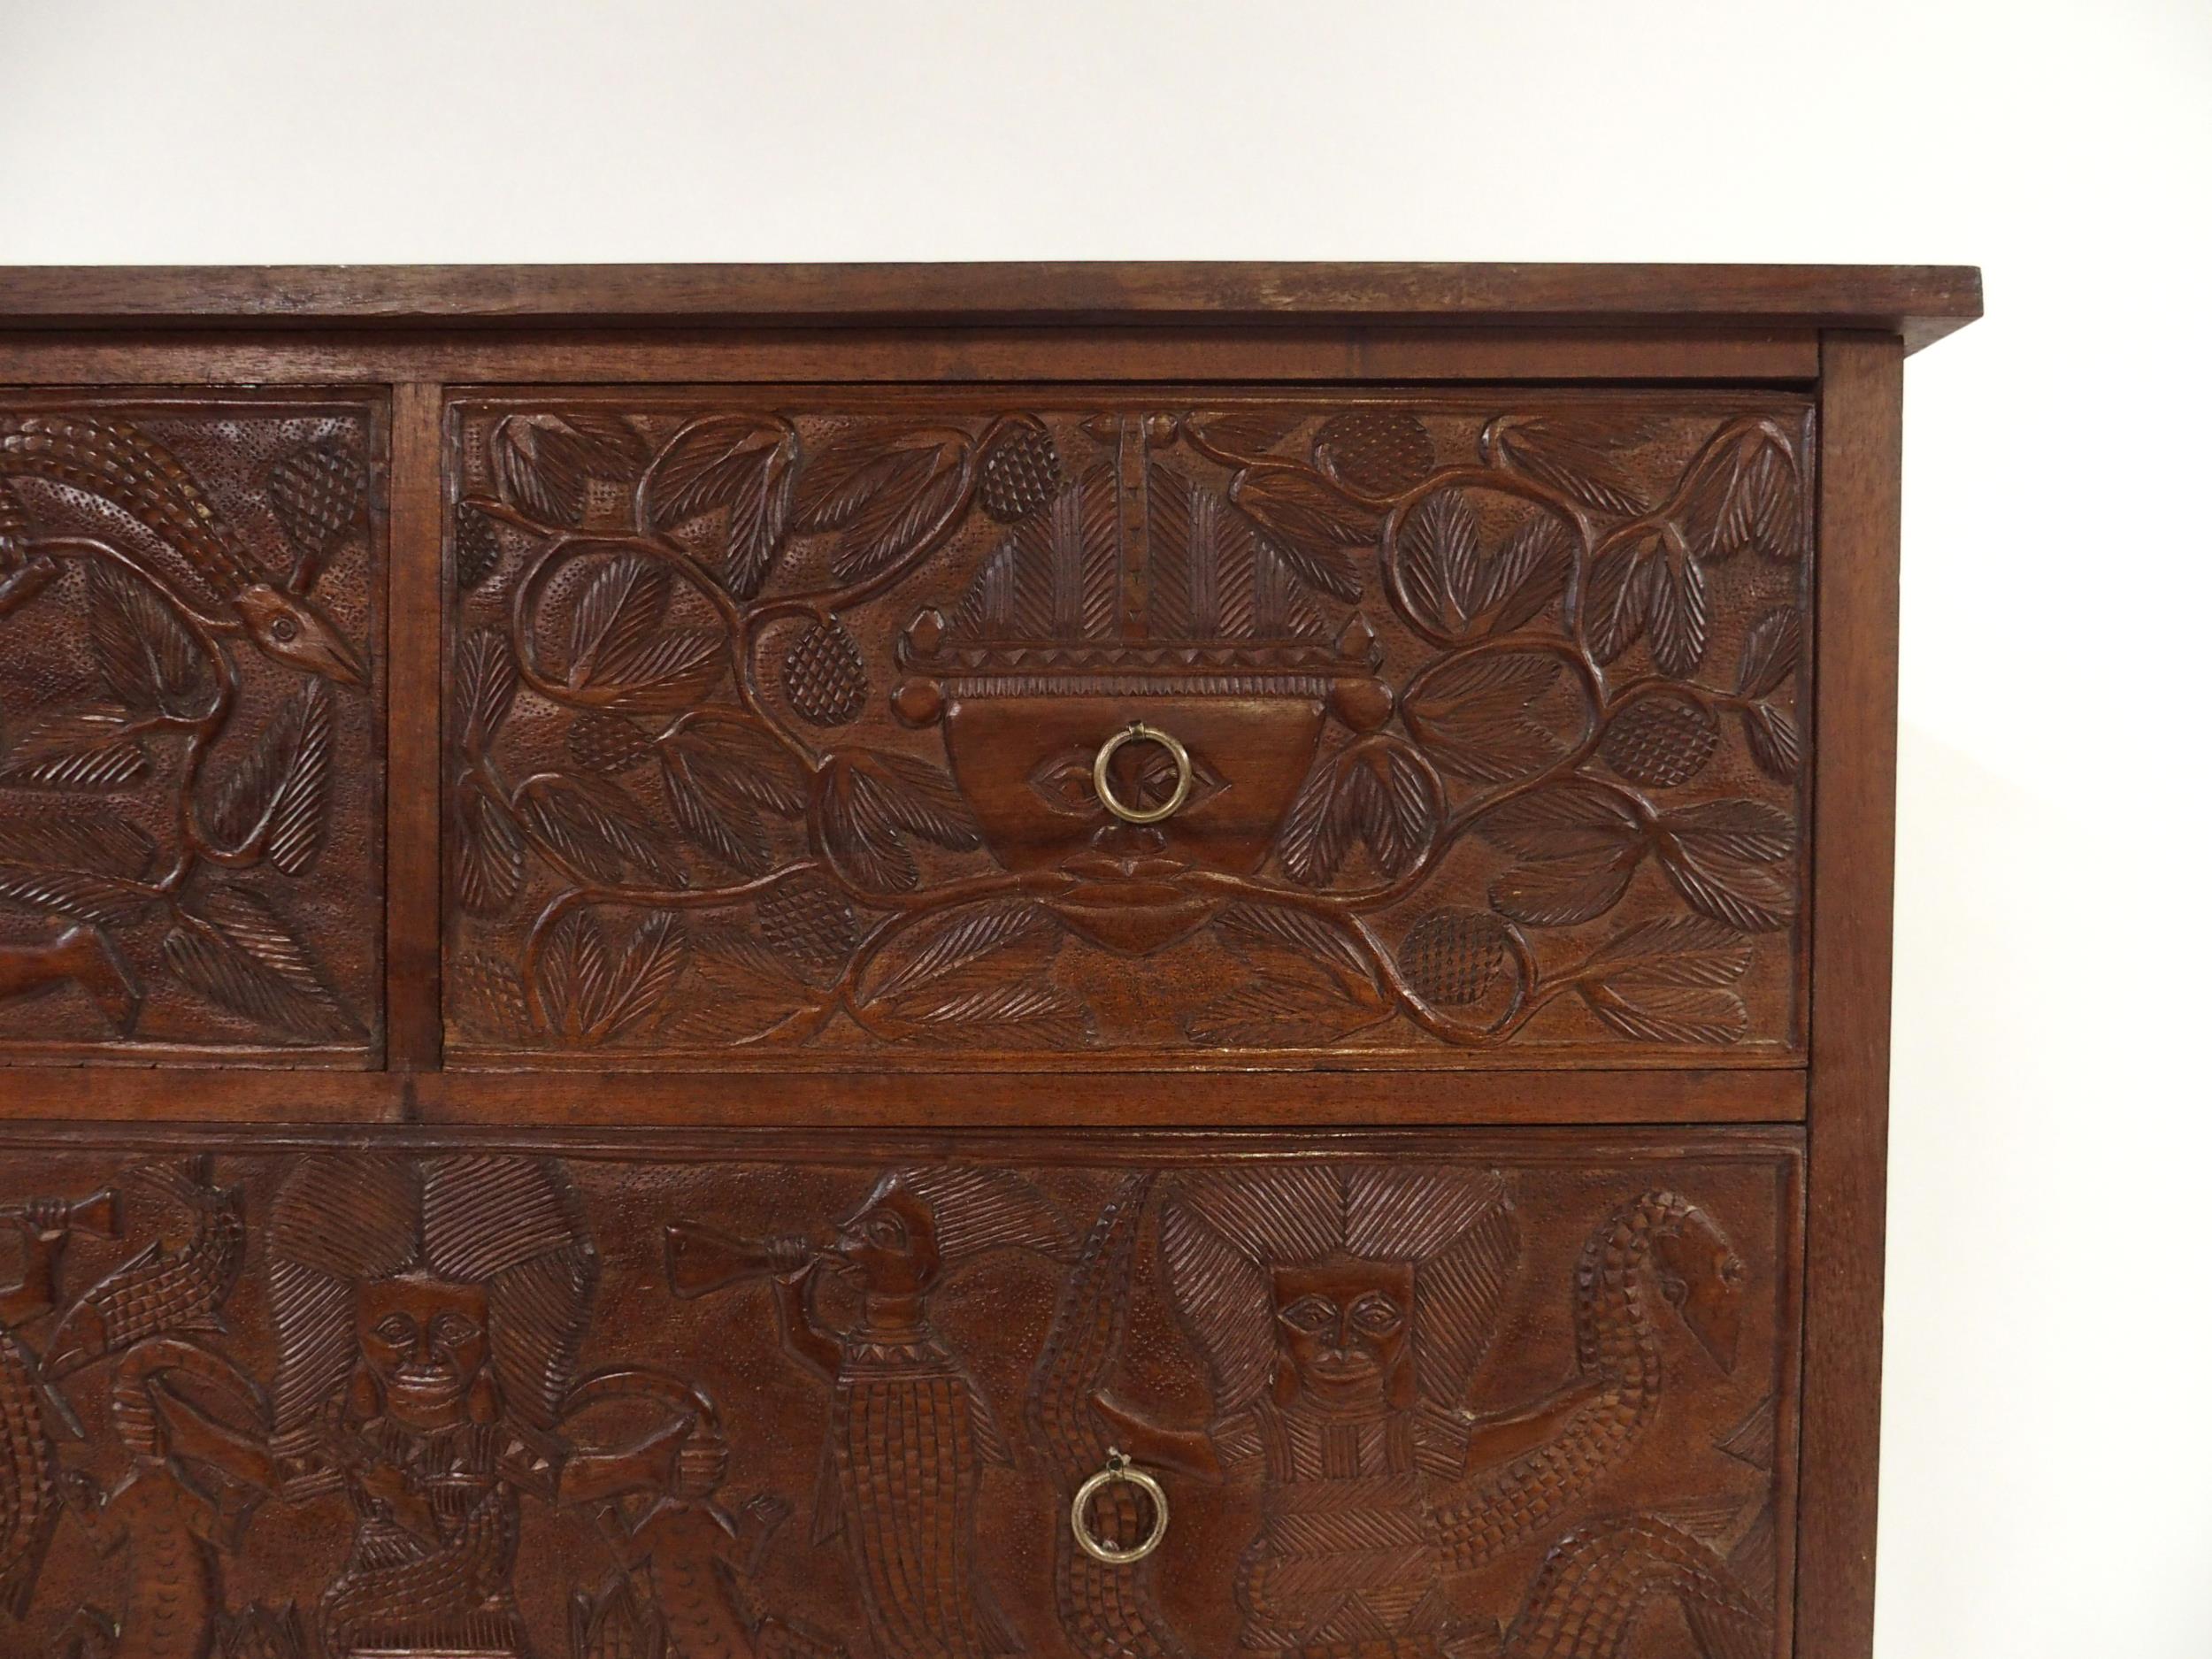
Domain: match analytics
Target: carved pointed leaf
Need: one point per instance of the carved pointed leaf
(1771, 736)
(1678, 614)
(1245, 431)
(1575, 815)
(147, 656)
(593, 826)
(915, 500)
(1385, 801)
(1678, 950)
(734, 754)
(715, 819)
(708, 465)
(1579, 460)
(84, 749)
(958, 941)
(233, 947)
(1720, 857)
(1571, 888)
(644, 971)
(1278, 926)
(1617, 600)
(1440, 556)
(91, 898)
(487, 852)
(484, 681)
(1746, 495)
(1289, 1001)
(1773, 646)
(1668, 1013)
(1547, 545)
(1469, 713)
(77, 839)
(1313, 841)
(284, 779)
(575, 976)
(1315, 530)
(1027, 1014)
(662, 674)
(869, 803)
(621, 604)
(544, 465)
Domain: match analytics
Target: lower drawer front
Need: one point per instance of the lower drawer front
(1526, 1395)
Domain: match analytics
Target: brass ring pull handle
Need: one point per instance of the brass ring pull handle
(1120, 808)
(1118, 1468)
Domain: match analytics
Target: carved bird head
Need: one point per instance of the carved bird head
(292, 631)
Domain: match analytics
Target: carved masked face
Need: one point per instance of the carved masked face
(426, 1341)
(891, 1241)
(1343, 1329)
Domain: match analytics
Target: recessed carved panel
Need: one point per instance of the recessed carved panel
(1521, 1401)
(775, 716)
(191, 794)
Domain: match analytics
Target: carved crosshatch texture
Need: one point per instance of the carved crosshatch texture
(190, 795)
(774, 714)
(1518, 1402)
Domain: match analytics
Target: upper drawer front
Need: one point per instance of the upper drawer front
(774, 717)
(190, 585)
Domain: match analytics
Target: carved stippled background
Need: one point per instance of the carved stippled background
(771, 715)
(835, 1400)
(191, 789)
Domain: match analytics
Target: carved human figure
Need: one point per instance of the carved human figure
(428, 1312)
(910, 1432)
(1342, 1310)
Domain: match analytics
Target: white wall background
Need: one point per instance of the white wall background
(2048, 1483)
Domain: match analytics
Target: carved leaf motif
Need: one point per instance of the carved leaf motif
(1030, 1014)
(75, 839)
(1290, 1001)
(488, 851)
(1720, 857)
(1279, 925)
(948, 944)
(1374, 792)
(1772, 648)
(594, 827)
(595, 990)
(1470, 713)
(1452, 580)
(890, 493)
(870, 802)
(1315, 529)
(1771, 736)
(825, 675)
(1245, 431)
(84, 749)
(1668, 1013)
(146, 656)
(621, 604)
(1678, 611)
(662, 674)
(748, 992)
(717, 820)
(90, 898)
(233, 947)
(1746, 496)
(484, 681)
(1378, 451)
(1580, 842)
(1678, 950)
(284, 779)
(734, 754)
(737, 464)
(1577, 459)
(1618, 598)
(544, 465)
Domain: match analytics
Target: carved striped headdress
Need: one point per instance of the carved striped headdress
(1221, 1237)
(512, 1224)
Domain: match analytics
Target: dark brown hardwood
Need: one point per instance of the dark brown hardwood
(623, 1035)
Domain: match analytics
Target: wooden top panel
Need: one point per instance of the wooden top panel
(1923, 303)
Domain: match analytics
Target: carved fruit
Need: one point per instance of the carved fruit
(1456, 957)
(808, 925)
(824, 674)
(475, 548)
(1375, 451)
(606, 742)
(319, 493)
(1021, 473)
(1660, 741)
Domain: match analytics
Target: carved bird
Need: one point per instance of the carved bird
(114, 461)
(159, 1291)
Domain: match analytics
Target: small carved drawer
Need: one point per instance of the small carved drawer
(901, 728)
(1513, 1398)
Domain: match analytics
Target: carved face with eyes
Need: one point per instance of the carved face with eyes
(1701, 1277)
(891, 1241)
(1343, 1333)
(426, 1341)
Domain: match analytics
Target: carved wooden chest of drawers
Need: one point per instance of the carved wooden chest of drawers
(938, 963)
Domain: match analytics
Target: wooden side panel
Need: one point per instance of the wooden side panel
(1525, 1396)
(191, 799)
(777, 716)
(1855, 797)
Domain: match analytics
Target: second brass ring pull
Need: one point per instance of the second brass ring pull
(1117, 1469)
(1103, 784)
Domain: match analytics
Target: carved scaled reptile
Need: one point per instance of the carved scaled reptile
(1531, 1465)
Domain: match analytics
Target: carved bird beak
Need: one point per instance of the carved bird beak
(292, 631)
